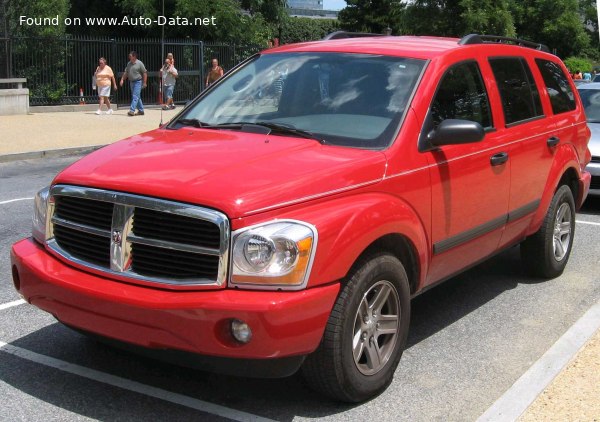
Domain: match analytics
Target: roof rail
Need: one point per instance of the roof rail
(481, 39)
(347, 34)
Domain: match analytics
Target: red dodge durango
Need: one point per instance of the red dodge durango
(286, 217)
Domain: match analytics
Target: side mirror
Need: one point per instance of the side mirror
(450, 132)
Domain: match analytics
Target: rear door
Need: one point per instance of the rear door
(531, 135)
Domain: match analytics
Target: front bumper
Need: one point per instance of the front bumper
(284, 324)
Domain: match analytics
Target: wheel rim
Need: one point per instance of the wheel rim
(562, 231)
(376, 328)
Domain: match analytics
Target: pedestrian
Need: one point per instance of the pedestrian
(578, 75)
(104, 77)
(587, 76)
(169, 76)
(214, 73)
(138, 77)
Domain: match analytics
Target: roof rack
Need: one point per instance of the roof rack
(347, 34)
(482, 39)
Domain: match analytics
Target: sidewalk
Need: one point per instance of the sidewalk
(24, 135)
(574, 395)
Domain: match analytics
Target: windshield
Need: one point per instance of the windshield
(355, 100)
(591, 104)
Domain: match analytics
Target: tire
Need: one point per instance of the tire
(370, 319)
(546, 252)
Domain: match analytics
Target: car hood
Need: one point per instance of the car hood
(235, 172)
(594, 144)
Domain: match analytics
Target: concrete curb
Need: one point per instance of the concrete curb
(64, 152)
(532, 383)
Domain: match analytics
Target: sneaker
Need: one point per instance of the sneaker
(109, 111)
(172, 106)
(98, 112)
(140, 113)
(165, 107)
(130, 113)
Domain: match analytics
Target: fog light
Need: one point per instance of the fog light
(241, 331)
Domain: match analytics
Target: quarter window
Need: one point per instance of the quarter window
(520, 96)
(462, 95)
(557, 85)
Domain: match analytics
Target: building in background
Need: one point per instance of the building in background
(306, 4)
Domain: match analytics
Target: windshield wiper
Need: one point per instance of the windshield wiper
(192, 122)
(273, 127)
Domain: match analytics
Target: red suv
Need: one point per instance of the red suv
(287, 216)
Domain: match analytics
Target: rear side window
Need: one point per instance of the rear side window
(557, 86)
(462, 95)
(520, 96)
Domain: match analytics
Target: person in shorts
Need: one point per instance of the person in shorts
(104, 79)
(169, 76)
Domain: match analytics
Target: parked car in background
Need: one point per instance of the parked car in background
(596, 78)
(590, 96)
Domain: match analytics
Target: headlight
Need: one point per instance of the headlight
(40, 214)
(276, 255)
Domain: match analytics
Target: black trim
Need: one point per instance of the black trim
(338, 35)
(252, 368)
(472, 39)
(485, 228)
(523, 211)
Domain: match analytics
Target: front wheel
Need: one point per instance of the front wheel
(365, 335)
(546, 252)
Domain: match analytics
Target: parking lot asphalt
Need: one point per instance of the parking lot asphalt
(562, 397)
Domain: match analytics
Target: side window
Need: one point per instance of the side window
(520, 96)
(557, 86)
(462, 95)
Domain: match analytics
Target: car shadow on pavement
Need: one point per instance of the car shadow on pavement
(279, 399)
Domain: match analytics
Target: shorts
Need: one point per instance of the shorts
(104, 91)
(169, 91)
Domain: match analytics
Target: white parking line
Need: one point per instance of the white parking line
(15, 200)
(525, 390)
(12, 304)
(130, 385)
(587, 222)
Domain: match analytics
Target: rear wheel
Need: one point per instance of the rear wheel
(365, 335)
(545, 253)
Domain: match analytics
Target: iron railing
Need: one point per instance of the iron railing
(59, 69)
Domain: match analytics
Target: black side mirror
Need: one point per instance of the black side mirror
(452, 131)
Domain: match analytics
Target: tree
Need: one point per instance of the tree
(372, 16)
(459, 17)
(555, 23)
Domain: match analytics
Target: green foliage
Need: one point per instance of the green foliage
(555, 23)
(458, 17)
(36, 9)
(578, 63)
(305, 29)
(372, 16)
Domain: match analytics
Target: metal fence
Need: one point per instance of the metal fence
(59, 69)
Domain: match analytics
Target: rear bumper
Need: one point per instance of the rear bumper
(594, 169)
(284, 324)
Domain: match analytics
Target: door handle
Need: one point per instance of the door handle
(553, 141)
(500, 158)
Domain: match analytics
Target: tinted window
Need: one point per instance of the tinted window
(520, 96)
(462, 95)
(557, 86)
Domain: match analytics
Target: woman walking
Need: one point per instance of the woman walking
(104, 79)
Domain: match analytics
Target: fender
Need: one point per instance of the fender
(347, 226)
(565, 158)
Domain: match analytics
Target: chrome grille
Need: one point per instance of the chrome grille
(134, 237)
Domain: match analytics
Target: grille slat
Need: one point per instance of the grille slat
(182, 249)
